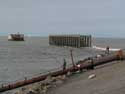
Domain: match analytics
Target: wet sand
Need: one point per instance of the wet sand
(110, 79)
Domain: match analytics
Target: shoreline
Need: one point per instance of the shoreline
(78, 81)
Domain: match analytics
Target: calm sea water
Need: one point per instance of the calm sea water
(34, 56)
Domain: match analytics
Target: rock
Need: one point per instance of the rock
(17, 92)
(78, 71)
(44, 89)
(43, 86)
(30, 91)
(69, 73)
(91, 76)
(62, 77)
(54, 79)
(48, 80)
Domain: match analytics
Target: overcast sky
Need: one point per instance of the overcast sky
(101, 18)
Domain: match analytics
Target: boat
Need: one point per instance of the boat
(16, 37)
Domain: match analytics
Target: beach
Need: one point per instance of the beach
(109, 79)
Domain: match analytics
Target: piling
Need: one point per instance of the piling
(71, 40)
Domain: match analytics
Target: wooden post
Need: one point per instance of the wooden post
(90, 41)
(85, 40)
(79, 41)
(72, 58)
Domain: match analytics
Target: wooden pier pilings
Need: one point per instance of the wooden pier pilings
(71, 40)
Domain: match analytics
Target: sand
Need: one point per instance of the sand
(110, 79)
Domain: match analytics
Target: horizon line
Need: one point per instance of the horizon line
(26, 35)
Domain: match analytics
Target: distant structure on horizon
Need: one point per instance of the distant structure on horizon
(71, 40)
(16, 37)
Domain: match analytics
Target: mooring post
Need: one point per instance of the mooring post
(72, 58)
(87, 41)
(79, 41)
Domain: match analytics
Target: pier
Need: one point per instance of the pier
(71, 40)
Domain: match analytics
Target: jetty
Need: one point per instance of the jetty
(71, 40)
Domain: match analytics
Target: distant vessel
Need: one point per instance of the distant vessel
(16, 37)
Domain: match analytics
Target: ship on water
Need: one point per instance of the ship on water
(16, 37)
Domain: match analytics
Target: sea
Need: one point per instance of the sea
(34, 56)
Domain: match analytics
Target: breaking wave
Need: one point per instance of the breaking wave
(103, 49)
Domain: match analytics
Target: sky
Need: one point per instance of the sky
(101, 18)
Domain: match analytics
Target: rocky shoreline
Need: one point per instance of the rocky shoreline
(42, 87)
